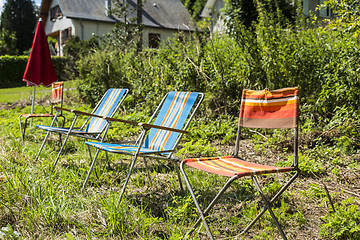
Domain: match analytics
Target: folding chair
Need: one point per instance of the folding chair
(56, 98)
(259, 109)
(158, 138)
(94, 125)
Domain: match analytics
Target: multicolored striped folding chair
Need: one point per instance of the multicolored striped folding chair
(160, 135)
(56, 98)
(259, 109)
(94, 125)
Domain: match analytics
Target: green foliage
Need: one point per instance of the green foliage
(201, 148)
(195, 7)
(7, 42)
(74, 50)
(342, 224)
(347, 19)
(19, 18)
(13, 68)
(100, 72)
(246, 13)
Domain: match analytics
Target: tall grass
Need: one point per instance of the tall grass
(39, 203)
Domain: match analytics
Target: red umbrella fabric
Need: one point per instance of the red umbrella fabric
(39, 68)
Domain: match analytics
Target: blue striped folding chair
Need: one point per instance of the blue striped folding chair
(159, 136)
(95, 123)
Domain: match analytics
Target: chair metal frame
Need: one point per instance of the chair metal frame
(55, 99)
(268, 202)
(146, 127)
(81, 132)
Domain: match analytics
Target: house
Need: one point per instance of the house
(310, 8)
(213, 12)
(161, 19)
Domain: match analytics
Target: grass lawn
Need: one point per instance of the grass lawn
(39, 203)
(10, 95)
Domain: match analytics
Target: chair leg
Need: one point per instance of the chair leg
(21, 131)
(147, 171)
(108, 161)
(42, 145)
(179, 177)
(203, 214)
(128, 177)
(281, 190)
(268, 205)
(60, 151)
(65, 140)
(91, 167)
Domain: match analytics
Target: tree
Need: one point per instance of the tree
(246, 12)
(7, 43)
(195, 7)
(19, 18)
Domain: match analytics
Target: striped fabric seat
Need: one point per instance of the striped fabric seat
(62, 130)
(116, 148)
(173, 113)
(160, 135)
(106, 108)
(265, 109)
(230, 166)
(93, 128)
(57, 92)
(56, 98)
(259, 109)
(28, 115)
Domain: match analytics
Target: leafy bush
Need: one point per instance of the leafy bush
(344, 223)
(13, 68)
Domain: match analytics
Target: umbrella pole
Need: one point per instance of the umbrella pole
(32, 105)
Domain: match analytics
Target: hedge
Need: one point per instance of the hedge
(12, 70)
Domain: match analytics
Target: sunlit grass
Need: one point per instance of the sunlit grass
(10, 95)
(41, 204)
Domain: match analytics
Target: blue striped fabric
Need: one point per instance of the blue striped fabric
(173, 113)
(106, 108)
(114, 148)
(59, 129)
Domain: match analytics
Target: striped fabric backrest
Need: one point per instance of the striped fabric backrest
(270, 109)
(107, 107)
(57, 92)
(173, 113)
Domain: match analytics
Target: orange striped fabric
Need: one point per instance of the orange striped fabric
(28, 115)
(57, 92)
(230, 166)
(270, 109)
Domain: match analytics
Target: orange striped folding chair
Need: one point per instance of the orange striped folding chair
(259, 109)
(160, 136)
(56, 98)
(95, 124)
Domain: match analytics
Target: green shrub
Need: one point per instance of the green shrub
(12, 69)
(344, 223)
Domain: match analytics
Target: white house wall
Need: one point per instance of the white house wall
(165, 34)
(86, 29)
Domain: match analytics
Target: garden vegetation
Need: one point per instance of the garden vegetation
(322, 58)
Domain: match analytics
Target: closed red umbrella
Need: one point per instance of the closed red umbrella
(39, 69)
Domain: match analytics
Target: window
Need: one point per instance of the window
(154, 40)
(324, 11)
(55, 13)
(65, 35)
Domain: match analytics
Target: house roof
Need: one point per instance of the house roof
(170, 14)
